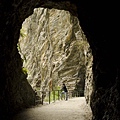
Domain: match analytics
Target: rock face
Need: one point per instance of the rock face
(97, 20)
(52, 46)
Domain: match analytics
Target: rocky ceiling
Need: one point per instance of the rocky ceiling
(99, 23)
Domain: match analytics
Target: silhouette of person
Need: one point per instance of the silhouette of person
(64, 91)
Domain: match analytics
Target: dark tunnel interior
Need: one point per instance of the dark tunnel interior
(99, 21)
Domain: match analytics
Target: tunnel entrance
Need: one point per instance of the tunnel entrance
(99, 22)
(54, 49)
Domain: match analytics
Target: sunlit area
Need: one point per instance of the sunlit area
(55, 50)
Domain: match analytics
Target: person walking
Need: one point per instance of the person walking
(64, 92)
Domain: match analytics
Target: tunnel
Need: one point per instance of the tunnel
(98, 22)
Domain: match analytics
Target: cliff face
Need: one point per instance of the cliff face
(54, 49)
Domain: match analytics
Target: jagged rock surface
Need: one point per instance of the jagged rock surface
(52, 46)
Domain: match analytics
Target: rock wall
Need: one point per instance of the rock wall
(89, 86)
(52, 46)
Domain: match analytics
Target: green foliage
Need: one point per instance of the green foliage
(25, 71)
(53, 95)
(18, 47)
(57, 88)
(22, 32)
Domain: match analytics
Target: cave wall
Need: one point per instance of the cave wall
(98, 21)
(15, 92)
(99, 25)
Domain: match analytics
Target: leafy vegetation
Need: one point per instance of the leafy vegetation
(52, 96)
(25, 71)
(22, 33)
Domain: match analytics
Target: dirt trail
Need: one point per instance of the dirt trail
(73, 109)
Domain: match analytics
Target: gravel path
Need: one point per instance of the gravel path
(73, 109)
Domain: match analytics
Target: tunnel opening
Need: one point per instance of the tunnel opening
(99, 22)
(54, 49)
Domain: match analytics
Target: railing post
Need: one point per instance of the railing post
(42, 97)
(49, 97)
(54, 95)
(35, 98)
(58, 95)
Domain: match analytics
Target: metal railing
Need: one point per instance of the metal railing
(55, 95)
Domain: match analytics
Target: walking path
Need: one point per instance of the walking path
(73, 109)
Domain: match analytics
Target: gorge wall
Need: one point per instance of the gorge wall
(98, 22)
(54, 50)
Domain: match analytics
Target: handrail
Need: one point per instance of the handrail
(52, 96)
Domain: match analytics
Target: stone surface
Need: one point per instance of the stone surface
(52, 46)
